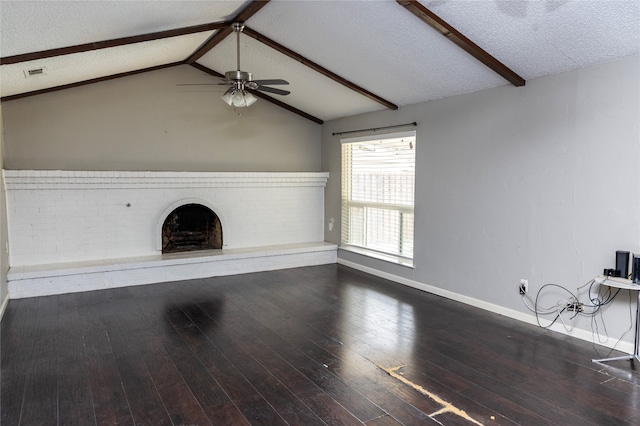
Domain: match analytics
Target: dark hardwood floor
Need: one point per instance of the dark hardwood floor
(307, 346)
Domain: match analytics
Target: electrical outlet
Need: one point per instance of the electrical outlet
(523, 288)
(575, 307)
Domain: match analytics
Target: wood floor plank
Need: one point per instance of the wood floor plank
(316, 372)
(16, 333)
(246, 398)
(532, 403)
(594, 382)
(110, 402)
(226, 414)
(182, 406)
(205, 388)
(403, 403)
(384, 421)
(385, 398)
(358, 405)
(582, 402)
(142, 395)
(40, 399)
(310, 345)
(361, 407)
(182, 398)
(286, 403)
(635, 421)
(328, 409)
(515, 413)
(75, 399)
(11, 397)
(325, 407)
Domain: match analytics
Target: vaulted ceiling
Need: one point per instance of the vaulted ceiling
(341, 57)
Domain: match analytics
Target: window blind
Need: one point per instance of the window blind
(378, 180)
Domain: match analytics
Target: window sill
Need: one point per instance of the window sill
(377, 255)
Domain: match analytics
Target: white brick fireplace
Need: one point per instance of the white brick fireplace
(66, 224)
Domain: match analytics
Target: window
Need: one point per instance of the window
(378, 176)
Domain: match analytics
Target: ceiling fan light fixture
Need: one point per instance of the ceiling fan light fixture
(249, 99)
(228, 96)
(238, 98)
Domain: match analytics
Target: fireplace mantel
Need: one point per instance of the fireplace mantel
(70, 180)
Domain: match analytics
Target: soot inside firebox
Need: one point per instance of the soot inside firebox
(191, 227)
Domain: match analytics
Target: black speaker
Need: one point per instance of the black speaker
(622, 263)
(635, 269)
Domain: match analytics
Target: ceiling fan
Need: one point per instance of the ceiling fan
(237, 95)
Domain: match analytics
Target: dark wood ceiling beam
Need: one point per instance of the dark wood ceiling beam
(286, 106)
(207, 70)
(314, 66)
(111, 43)
(86, 82)
(262, 95)
(246, 13)
(459, 39)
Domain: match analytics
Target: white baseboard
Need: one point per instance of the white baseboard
(491, 307)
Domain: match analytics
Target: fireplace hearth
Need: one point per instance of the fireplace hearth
(191, 227)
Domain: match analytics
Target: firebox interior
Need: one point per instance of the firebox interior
(191, 227)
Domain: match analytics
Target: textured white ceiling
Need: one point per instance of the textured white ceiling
(378, 45)
(67, 69)
(310, 92)
(537, 38)
(32, 26)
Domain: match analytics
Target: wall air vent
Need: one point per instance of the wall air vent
(33, 72)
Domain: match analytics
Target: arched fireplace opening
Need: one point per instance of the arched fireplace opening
(191, 227)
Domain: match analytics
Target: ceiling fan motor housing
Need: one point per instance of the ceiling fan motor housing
(238, 76)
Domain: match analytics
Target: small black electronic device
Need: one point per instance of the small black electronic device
(610, 273)
(622, 263)
(635, 269)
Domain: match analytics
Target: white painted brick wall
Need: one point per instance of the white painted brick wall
(70, 216)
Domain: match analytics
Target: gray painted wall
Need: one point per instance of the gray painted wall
(147, 122)
(540, 182)
(4, 255)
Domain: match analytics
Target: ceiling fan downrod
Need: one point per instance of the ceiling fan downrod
(238, 76)
(238, 27)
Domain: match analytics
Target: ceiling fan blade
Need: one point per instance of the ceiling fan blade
(274, 82)
(202, 84)
(273, 90)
